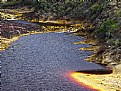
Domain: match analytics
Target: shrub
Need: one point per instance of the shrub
(96, 7)
(107, 27)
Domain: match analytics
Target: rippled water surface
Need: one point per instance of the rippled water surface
(41, 62)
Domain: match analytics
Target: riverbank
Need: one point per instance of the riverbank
(107, 82)
(11, 31)
(101, 82)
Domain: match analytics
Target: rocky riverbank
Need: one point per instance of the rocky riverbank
(106, 17)
(11, 31)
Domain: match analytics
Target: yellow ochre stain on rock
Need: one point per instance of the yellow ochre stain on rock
(99, 82)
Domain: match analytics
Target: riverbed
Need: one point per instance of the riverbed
(43, 62)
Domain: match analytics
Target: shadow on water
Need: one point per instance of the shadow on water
(52, 24)
(97, 71)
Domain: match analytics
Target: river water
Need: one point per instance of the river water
(42, 62)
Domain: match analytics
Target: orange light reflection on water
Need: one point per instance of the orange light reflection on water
(75, 76)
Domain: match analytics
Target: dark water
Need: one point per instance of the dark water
(40, 62)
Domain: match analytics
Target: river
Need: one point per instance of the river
(43, 62)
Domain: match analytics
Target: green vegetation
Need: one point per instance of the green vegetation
(16, 4)
(95, 10)
(107, 28)
(8, 4)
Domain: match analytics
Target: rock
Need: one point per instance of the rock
(113, 3)
(117, 69)
(107, 60)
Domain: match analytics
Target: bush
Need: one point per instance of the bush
(9, 4)
(107, 28)
(95, 10)
(96, 7)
